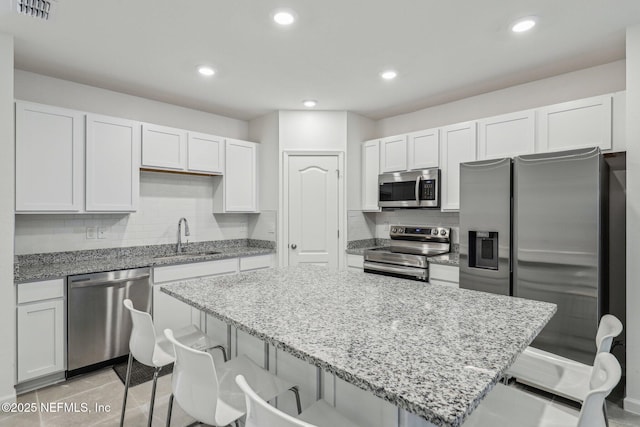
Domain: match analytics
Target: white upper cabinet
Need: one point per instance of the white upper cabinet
(49, 151)
(163, 147)
(179, 150)
(575, 124)
(370, 172)
(205, 153)
(424, 149)
(240, 180)
(458, 146)
(112, 164)
(393, 154)
(507, 135)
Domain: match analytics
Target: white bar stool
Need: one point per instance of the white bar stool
(207, 391)
(261, 414)
(559, 375)
(156, 351)
(508, 406)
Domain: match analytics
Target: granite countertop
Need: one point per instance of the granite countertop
(434, 351)
(61, 264)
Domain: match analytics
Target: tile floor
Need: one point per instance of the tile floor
(104, 388)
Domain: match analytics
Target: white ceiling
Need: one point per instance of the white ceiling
(443, 50)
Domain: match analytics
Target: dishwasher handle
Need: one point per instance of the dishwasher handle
(108, 278)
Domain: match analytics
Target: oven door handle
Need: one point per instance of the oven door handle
(418, 179)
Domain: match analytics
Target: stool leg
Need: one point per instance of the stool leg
(295, 391)
(126, 389)
(153, 394)
(169, 411)
(224, 352)
(604, 411)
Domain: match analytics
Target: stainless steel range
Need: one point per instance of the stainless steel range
(407, 255)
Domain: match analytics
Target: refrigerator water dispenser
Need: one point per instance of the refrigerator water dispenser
(483, 249)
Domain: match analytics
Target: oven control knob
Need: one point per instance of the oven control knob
(393, 230)
(434, 232)
(443, 232)
(400, 230)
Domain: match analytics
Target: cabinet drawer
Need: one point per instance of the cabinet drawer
(444, 272)
(38, 291)
(196, 269)
(256, 262)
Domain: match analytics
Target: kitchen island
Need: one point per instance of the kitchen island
(430, 350)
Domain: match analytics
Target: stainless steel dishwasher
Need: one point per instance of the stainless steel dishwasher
(98, 325)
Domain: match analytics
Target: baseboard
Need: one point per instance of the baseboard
(10, 398)
(632, 405)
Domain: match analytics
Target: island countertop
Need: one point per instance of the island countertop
(431, 350)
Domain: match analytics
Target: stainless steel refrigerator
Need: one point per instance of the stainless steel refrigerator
(534, 227)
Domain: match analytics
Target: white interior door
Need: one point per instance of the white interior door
(313, 210)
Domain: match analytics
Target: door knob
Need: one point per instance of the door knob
(294, 246)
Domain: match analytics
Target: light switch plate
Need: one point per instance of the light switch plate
(92, 233)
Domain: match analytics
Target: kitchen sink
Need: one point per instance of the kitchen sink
(187, 255)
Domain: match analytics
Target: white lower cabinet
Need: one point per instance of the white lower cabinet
(169, 312)
(355, 262)
(257, 262)
(300, 373)
(40, 329)
(362, 407)
(445, 275)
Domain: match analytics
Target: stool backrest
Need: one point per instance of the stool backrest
(609, 328)
(194, 382)
(142, 343)
(261, 414)
(605, 376)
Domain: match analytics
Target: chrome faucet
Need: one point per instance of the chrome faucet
(186, 233)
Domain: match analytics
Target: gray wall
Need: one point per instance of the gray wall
(8, 300)
(632, 401)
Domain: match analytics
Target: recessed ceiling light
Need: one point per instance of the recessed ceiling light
(206, 71)
(284, 17)
(389, 75)
(310, 103)
(524, 24)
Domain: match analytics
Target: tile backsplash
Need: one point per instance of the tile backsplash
(376, 225)
(164, 199)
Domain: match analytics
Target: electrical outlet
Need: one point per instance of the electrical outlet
(102, 232)
(92, 233)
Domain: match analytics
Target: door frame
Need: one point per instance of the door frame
(283, 233)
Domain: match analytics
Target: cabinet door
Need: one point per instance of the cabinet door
(507, 135)
(112, 164)
(370, 172)
(240, 176)
(169, 312)
(40, 339)
(205, 153)
(575, 124)
(163, 147)
(458, 146)
(393, 154)
(424, 149)
(49, 158)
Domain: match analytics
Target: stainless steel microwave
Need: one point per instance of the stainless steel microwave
(415, 189)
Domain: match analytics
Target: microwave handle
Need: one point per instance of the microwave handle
(418, 179)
